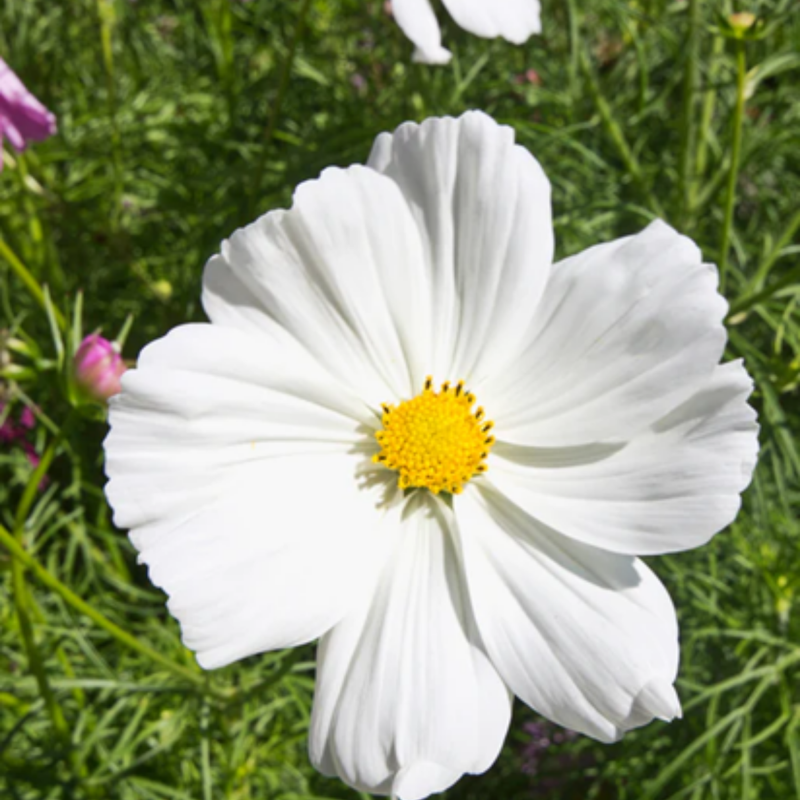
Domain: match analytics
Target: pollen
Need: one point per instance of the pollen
(435, 440)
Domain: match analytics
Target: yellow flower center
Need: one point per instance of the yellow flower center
(435, 440)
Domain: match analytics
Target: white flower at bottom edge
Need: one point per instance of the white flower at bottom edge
(512, 20)
(243, 456)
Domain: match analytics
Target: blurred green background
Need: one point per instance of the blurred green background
(178, 122)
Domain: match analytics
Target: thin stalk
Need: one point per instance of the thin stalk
(105, 10)
(283, 86)
(736, 150)
(219, 23)
(574, 53)
(709, 103)
(22, 599)
(31, 487)
(685, 164)
(35, 662)
(81, 606)
(31, 284)
(784, 239)
(617, 137)
(35, 229)
(746, 303)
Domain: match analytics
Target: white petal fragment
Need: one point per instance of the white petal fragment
(417, 21)
(625, 332)
(482, 205)
(342, 272)
(671, 488)
(586, 638)
(213, 452)
(513, 20)
(406, 701)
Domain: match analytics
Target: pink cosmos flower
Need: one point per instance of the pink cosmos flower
(98, 368)
(23, 118)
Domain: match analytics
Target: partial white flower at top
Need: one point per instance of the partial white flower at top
(512, 20)
(408, 432)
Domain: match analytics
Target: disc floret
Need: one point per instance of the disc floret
(435, 440)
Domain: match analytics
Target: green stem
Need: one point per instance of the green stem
(687, 111)
(709, 102)
(30, 282)
(22, 598)
(34, 223)
(618, 138)
(733, 175)
(272, 125)
(746, 303)
(105, 10)
(31, 487)
(46, 253)
(35, 662)
(574, 52)
(121, 635)
(774, 254)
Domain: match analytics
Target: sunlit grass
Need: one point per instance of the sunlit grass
(169, 139)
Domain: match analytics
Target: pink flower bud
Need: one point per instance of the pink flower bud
(98, 368)
(23, 118)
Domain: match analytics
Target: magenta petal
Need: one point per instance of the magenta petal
(98, 368)
(22, 117)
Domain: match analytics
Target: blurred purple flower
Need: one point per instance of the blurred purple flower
(23, 118)
(542, 736)
(26, 418)
(15, 432)
(98, 368)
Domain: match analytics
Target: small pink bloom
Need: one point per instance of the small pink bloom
(23, 118)
(98, 368)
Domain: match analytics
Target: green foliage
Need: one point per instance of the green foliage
(179, 121)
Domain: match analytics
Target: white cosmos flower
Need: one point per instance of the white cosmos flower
(513, 20)
(243, 456)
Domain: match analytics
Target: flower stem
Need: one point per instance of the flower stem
(685, 165)
(20, 595)
(746, 303)
(31, 284)
(618, 138)
(733, 175)
(784, 239)
(105, 11)
(22, 598)
(574, 52)
(29, 493)
(121, 635)
(272, 125)
(709, 102)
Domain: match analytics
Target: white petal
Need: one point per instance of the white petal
(406, 700)
(514, 20)
(669, 489)
(585, 637)
(242, 496)
(482, 205)
(417, 21)
(342, 273)
(625, 332)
